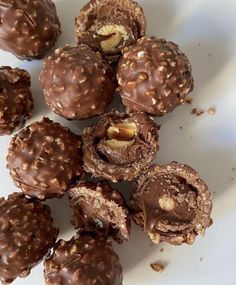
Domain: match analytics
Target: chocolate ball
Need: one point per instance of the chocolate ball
(28, 29)
(84, 260)
(109, 26)
(99, 208)
(120, 146)
(26, 235)
(16, 101)
(77, 82)
(44, 159)
(171, 203)
(154, 76)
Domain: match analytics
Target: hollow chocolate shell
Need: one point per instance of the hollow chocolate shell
(44, 159)
(28, 29)
(109, 26)
(172, 204)
(84, 260)
(154, 76)
(99, 208)
(120, 146)
(77, 82)
(16, 101)
(26, 235)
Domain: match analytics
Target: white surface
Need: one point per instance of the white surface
(205, 30)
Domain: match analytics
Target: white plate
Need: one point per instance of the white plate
(206, 32)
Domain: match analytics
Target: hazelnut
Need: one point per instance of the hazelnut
(118, 144)
(117, 35)
(167, 203)
(122, 131)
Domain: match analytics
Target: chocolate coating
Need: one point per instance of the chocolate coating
(99, 208)
(120, 146)
(154, 76)
(16, 101)
(83, 260)
(28, 29)
(26, 235)
(77, 82)
(44, 159)
(172, 204)
(109, 26)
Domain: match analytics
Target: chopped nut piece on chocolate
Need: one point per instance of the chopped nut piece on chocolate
(16, 101)
(85, 260)
(154, 76)
(109, 26)
(157, 267)
(120, 146)
(28, 29)
(99, 208)
(77, 82)
(44, 159)
(171, 203)
(26, 235)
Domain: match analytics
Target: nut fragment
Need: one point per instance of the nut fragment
(122, 131)
(157, 267)
(118, 144)
(117, 35)
(166, 203)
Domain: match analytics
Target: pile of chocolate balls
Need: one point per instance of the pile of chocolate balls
(113, 57)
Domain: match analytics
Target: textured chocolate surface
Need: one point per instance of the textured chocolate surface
(109, 26)
(16, 101)
(28, 29)
(83, 260)
(154, 76)
(26, 235)
(44, 159)
(77, 82)
(172, 204)
(99, 208)
(120, 146)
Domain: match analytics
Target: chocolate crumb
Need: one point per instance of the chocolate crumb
(157, 267)
(181, 128)
(232, 178)
(201, 258)
(197, 111)
(162, 249)
(211, 111)
(233, 168)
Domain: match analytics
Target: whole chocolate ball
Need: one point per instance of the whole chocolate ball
(84, 260)
(120, 146)
(109, 26)
(171, 203)
(97, 207)
(44, 159)
(28, 29)
(77, 82)
(26, 235)
(154, 76)
(16, 101)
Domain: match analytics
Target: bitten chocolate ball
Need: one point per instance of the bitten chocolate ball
(44, 159)
(77, 82)
(84, 260)
(16, 101)
(120, 146)
(26, 235)
(154, 76)
(28, 29)
(109, 26)
(99, 208)
(172, 204)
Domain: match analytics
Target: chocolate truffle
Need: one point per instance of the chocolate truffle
(109, 26)
(97, 207)
(84, 260)
(172, 204)
(44, 159)
(77, 82)
(26, 235)
(16, 102)
(120, 146)
(28, 29)
(154, 76)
